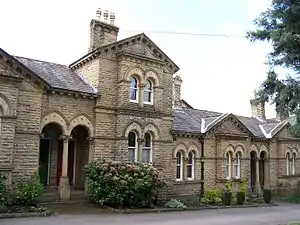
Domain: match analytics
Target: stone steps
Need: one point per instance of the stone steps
(51, 195)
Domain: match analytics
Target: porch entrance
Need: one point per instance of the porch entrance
(51, 156)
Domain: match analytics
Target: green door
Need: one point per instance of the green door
(44, 161)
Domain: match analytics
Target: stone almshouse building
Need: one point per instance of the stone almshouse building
(122, 101)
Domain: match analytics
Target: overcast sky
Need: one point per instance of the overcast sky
(218, 73)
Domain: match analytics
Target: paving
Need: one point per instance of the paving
(275, 215)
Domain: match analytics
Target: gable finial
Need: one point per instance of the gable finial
(105, 15)
(98, 14)
(112, 18)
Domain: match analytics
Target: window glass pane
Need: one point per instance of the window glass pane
(131, 154)
(178, 155)
(178, 172)
(147, 142)
(146, 155)
(133, 94)
(147, 96)
(133, 83)
(131, 139)
(189, 171)
(191, 158)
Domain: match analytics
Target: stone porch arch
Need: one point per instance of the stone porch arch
(181, 148)
(56, 118)
(263, 149)
(81, 120)
(254, 148)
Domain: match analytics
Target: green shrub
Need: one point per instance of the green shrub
(267, 195)
(174, 203)
(2, 190)
(240, 197)
(28, 191)
(226, 197)
(122, 184)
(212, 196)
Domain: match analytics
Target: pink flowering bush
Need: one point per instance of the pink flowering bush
(122, 184)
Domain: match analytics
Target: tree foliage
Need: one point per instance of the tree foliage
(280, 26)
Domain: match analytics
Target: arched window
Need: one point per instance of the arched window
(148, 93)
(179, 168)
(134, 90)
(288, 157)
(132, 147)
(237, 165)
(228, 165)
(147, 148)
(190, 166)
(293, 165)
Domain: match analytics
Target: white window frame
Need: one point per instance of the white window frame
(228, 165)
(237, 165)
(135, 148)
(148, 148)
(287, 163)
(136, 90)
(192, 165)
(179, 166)
(293, 165)
(147, 91)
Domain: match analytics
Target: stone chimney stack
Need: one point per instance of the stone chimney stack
(102, 32)
(177, 81)
(258, 109)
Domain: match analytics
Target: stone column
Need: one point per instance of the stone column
(141, 95)
(257, 184)
(140, 150)
(64, 186)
(91, 150)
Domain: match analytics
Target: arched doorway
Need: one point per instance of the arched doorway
(78, 156)
(50, 159)
(252, 170)
(262, 169)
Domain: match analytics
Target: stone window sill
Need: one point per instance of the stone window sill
(184, 182)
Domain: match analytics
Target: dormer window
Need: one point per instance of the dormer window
(148, 93)
(134, 89)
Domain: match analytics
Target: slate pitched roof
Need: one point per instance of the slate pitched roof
(58, 76)
(199, 121)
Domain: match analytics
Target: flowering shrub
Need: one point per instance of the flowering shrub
(174, 203)
(121, 184)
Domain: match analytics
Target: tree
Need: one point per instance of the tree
(280, 26)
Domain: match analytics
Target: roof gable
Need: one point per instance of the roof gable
(228, 124)
(151, 50)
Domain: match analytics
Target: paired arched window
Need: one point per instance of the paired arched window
(132, 147)
(148, 92)
(134, 89)
(179, 166)
(237, 165)
(190, 166)
(147, 149)
(228, 165)
(290, 164)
